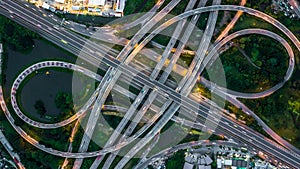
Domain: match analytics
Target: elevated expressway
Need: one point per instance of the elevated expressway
(168, 113)
(145, 89)
(159, 86)
(112, 76)
(143, 142)
(232, 23)
(279, 25)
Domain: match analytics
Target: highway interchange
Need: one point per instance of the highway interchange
(175, 98)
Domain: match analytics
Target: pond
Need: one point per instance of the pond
(40, 86)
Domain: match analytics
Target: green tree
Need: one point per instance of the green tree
(64, 102)
(40, 107)
(294, 107)
(17, 37)
(177, 160)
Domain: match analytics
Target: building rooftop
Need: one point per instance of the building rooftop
(202, 161)
(188, 166)
(208, 167)
(219, 163)
(97, 2)
(228, 162)
(60, 1)
(120, 5)
(201, 166)
(207, 159)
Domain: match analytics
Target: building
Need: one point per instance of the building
(239, 163)
(201, 161)
(45, 6)
(201, 167)
(52, 9)
(120, 6)
(118, 14)
(188, 166)
(208, 167)
(204, 167)
(76, 8)
(94, 10)
(219, 163)
(96, 2)
(191, 159)
(207, 159)
(60, 1)
(228, 162)
(263, 165)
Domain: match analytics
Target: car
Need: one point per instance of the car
(166, 95)
(108, 79)
(56, 27)
(63, 41)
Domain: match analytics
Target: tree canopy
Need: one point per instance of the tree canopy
(17, 37)
(64, 102)
(40, 107)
